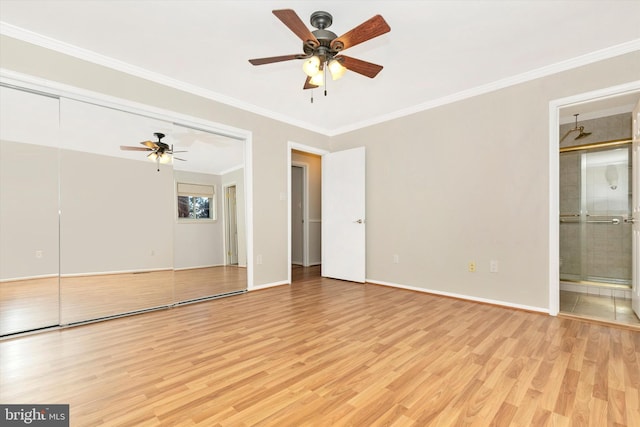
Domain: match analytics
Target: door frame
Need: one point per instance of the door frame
(305, 211)
(227, 223)
(306, 149)
(554, 177)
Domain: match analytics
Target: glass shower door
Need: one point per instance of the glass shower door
(595, 235)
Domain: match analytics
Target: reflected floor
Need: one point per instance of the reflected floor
(32, 304)
(608, 308)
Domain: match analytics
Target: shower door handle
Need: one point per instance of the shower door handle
(614, 221)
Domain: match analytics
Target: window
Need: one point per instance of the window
(196, 201)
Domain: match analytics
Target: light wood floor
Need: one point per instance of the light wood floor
(40, 303)
(324, 352)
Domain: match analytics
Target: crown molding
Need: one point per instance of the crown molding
(599, 55)
(31, 37)
(90, 56)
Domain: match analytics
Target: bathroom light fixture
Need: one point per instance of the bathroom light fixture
(611, 175)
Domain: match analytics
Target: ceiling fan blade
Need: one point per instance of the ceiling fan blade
(150, 144)
(127, 148)
(308, 85)
(567, 134)
(173, 152)
(359, 66)
(272, 59)
(178, 158)
(369, 29)
(295, 24)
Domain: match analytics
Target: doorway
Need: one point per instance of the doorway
(595, 190)
(305, 209)
(336, 211)
(596, 232)
(231, 224)
(299, 248)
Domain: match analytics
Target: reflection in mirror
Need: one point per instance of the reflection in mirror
(90, 231)
(206, 261)
(28, 211)
(116, 239)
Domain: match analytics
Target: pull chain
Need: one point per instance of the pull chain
(324, 76)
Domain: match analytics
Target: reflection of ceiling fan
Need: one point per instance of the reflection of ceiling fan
(322, 47)
(159, 151)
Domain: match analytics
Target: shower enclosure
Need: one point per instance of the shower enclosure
(595, 208)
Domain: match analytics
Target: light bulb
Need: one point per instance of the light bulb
(337, 69)
(318, 79)
(311, 66)
(165, 158)
(152, 156)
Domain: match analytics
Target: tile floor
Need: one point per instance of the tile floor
(609, 308)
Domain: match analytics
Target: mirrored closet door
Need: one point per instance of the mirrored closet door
(91, 230)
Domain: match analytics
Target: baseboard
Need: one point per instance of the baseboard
(268, 285)
(462, 297)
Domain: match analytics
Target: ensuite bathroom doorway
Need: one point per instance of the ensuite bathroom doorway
(596, 184)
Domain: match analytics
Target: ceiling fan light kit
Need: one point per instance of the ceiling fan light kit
(322, 47)
(160, 152)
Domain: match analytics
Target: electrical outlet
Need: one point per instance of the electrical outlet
(396, 258)
(472, 266)
(493, 266)
(259, 259)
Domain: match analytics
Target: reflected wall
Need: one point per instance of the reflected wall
(29, 244)
(88, 233)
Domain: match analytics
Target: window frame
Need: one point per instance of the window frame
(188, 189)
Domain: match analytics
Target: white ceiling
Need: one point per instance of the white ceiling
(436, 52)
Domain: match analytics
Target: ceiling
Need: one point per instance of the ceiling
(436, 52)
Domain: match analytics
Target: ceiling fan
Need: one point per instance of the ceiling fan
(159, 151)
(579, 129)
(322, 48)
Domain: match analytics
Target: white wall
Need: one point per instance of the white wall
(28, 210)
(199, 243)
(116, 214)
(28, 185)
(468, 182)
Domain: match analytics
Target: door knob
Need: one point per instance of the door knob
(359, 221)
